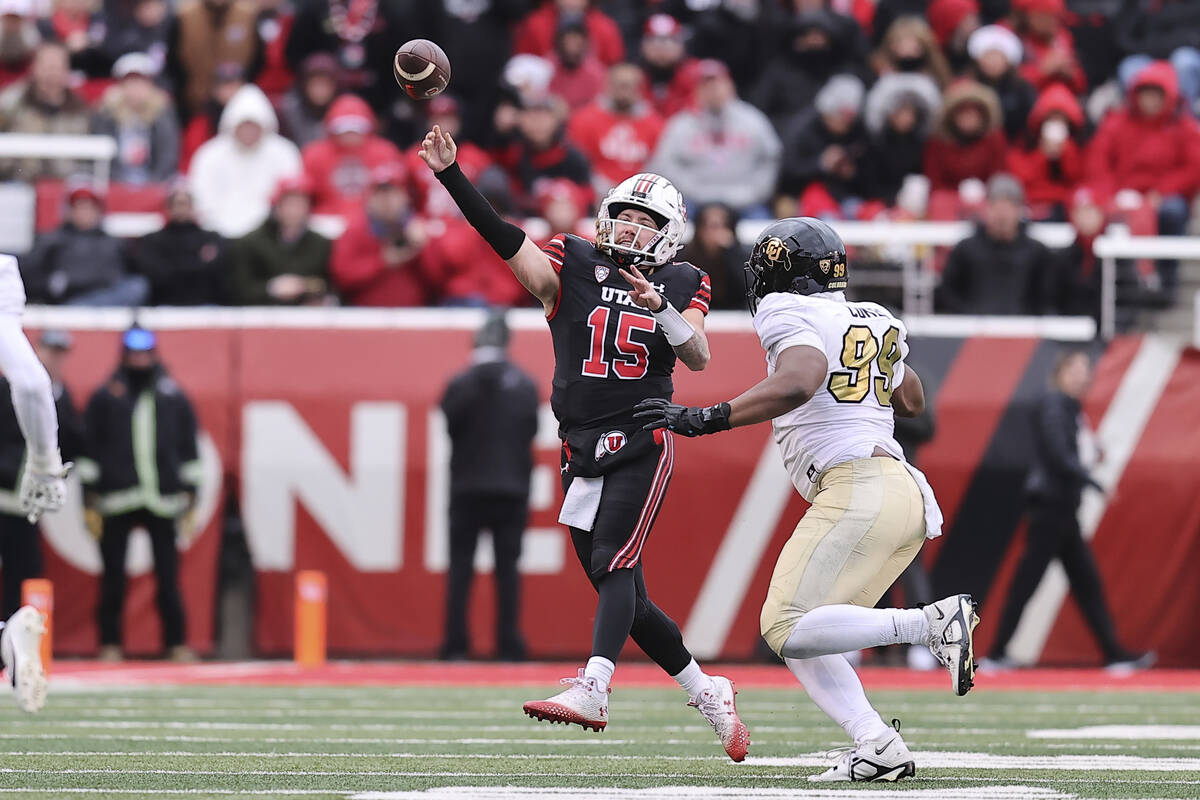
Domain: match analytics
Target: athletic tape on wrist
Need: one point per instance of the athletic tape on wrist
(677, 329)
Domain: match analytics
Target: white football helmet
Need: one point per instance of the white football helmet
(655, 195)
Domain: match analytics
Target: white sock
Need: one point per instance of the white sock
(601, 669)
(829, 630)
(833, 685)
(692, 679)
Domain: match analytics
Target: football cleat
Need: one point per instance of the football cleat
(582, 703)
(951, 639)
(717, 705)
(884, 759)
(21, 650)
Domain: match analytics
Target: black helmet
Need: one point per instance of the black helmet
(802, 255)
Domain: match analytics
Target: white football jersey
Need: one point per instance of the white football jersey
(12, 290)
(851, 414)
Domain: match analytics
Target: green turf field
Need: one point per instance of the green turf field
(387, 743)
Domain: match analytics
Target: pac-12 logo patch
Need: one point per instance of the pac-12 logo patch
(602, 273)
(609, 444)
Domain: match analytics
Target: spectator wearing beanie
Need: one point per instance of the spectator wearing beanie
(725, 150)
(953, 22)
(578, 74)
(431, 198)
(1049, 163)
(536, 34)
(234, 175)
(824, 149)
(340, 163)
(619, 131)
(283, 261)
(78, 263)
(670, 74)
(381, 259)
(813, 53)
(185, 264)
(141, 118)
(909, 46)
(1048, 46)
(968, 141)
(995, 59)
(900, 112)
(1165, 30)
(303, 108)
(999, 269)
(1151, 147)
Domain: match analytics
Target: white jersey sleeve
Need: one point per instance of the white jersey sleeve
(32, 395)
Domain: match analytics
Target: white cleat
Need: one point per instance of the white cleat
(581, 704)
(21, 650)
(884, 759)
(952, 624)
(716, 704)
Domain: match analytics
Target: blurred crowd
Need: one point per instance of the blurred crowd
(282, 156)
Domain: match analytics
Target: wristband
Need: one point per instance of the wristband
(48, 464)
(677, 329)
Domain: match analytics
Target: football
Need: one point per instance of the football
(421, 68)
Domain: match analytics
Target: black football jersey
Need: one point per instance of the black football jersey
(609, 353)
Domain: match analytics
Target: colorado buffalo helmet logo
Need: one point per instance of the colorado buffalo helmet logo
(610, 443)
(776, 252)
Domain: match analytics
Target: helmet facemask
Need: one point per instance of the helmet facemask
(606, 236)
(657, 198)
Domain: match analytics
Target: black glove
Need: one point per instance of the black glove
(656, 412)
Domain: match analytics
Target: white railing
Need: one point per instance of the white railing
(100, 150)
(1112, 246)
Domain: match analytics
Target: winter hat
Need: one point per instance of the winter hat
(1003, 186)
(83, 186)
(390, 174)
(946, 15)
(995, 37)
(349, 114)
(292, 184)
(662, 26)
(1056, 7)
(16, 8)
(135, 64)
(494, 331)
(840, 93)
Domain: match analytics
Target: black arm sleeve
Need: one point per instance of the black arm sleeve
(504, 237)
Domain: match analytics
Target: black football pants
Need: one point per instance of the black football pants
(505, 516)
(1054, 533)
(21, 555)
(113, 544)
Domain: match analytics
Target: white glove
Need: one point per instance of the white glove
(43, 485)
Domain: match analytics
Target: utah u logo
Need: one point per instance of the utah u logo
(609, 444)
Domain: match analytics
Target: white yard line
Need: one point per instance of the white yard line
(719, 793)
(1134, 732)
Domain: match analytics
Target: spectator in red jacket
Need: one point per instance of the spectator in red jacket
(671, 75)
(578, 74)
(469, 269)
(431, 198)
(1050, 162)
(1151, 147)
(340, 164)
(1048, 45)
(968, 142)
(381, 258)
(536, 34)
(618, 132)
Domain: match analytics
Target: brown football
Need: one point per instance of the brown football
(421, 68)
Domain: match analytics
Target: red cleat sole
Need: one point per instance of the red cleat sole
(740, 745)
(553, 712)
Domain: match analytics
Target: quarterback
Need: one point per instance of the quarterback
(617, 332)
(835, 377)
(43, 484)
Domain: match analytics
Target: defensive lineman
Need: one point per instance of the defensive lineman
(617, 332)
(43, 485)
(835, 376)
